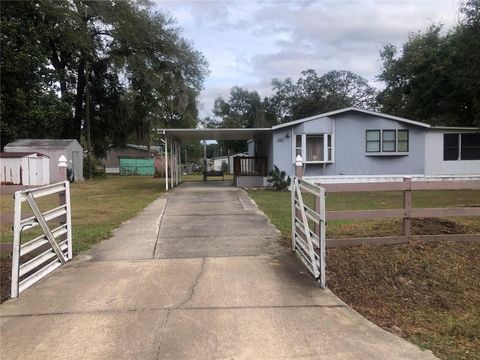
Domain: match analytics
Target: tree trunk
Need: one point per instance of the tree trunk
(59, 63)
(76, 129)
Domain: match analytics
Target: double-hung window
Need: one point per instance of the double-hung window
(402, 140)
(314, 148)
(373, 140)
(389, 141)
(298, 145)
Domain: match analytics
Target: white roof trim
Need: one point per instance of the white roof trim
(331, 113)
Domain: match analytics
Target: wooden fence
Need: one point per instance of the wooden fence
(250, 166)
(406, 213)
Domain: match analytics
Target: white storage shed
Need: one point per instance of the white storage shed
(24, 168)
(54, 148)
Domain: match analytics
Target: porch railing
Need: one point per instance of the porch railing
(250, 166)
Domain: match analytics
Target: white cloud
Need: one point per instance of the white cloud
(248, 43)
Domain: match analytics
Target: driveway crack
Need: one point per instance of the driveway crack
(159, 225)
(163, 334)
(191, 291)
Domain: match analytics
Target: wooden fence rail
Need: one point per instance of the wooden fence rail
(407, 212)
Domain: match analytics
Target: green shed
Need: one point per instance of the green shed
(137, 166)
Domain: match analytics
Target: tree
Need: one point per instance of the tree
(29, 105)
(139, 70)
(243, 109)
(466, 63)
(312, 94)
(436, 76)
(418, 83)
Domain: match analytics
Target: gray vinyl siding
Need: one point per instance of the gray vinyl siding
(349, 147)
(282, 150)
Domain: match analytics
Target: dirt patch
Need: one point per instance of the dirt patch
(427, 293)
(436, 226)
(394, 227)
(5, 274)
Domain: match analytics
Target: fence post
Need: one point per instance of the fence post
(407, 207)
(62, 168)
(294, 183)
(16, 245)
(293, 213)
(299, 167)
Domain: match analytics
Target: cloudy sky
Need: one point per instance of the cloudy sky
(248, 43)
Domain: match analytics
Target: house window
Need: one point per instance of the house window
(373, 140)
(470, 149)
(402, 140)
(461, 147)
(450, 146)
(298, 145)
(387, 141)
(315, 148)
(329, 148)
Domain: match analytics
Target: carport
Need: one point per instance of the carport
(173, 139)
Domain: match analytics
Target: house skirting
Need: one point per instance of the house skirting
(250, 181)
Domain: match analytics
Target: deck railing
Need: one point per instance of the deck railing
(250, 166)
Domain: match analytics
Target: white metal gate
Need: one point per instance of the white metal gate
(51, 249)
(308, 227)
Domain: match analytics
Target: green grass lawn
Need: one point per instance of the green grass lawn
(276, 206)
(98, 206)
(427, 293)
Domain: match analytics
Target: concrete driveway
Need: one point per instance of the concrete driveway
(197, 275)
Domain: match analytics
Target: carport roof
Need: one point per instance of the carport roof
(215, 134)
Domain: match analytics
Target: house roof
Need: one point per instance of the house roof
(341, 111)
(41, 143)
(16, 155)
(250, 134)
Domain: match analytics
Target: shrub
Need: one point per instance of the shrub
(278, 180)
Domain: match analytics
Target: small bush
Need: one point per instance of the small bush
(277, 179)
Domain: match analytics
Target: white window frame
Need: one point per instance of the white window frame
(304, 148)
